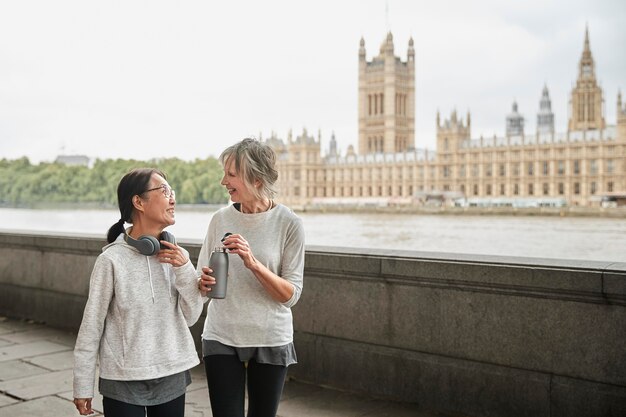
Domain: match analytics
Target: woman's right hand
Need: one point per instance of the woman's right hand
(83, 405)
(206, 281)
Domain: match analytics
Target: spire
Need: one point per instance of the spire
(411, 51)
(362, 49)
(332, 147)
(514, 122)
(387, 46)
(545, 116)
(586, 65)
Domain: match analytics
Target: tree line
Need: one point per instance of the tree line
(24, 184)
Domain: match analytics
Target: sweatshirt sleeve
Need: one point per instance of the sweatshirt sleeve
(190, 298)
(86, 349)
(293, 260)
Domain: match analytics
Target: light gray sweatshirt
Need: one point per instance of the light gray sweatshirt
(249, 316)
(136, 319)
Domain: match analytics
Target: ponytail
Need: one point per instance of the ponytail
(115, 230)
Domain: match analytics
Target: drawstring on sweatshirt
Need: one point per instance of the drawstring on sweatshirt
(168, 274)
(150, 277)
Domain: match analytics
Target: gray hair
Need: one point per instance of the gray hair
(255, 161)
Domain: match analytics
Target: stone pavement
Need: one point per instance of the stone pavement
(36, 381)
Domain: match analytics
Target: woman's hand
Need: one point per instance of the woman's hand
(278, 288)
(236, 244)
(206, 281)
(172, 255)
(83, 405)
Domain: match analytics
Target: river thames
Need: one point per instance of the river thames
(580, 238)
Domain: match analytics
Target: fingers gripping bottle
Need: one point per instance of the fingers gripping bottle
(218, 262)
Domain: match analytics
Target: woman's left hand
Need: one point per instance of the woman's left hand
(172, 255)
(236, 244)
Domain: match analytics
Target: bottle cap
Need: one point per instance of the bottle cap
(219, 249)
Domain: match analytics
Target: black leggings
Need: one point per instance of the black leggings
(114, 408)
(226, 376)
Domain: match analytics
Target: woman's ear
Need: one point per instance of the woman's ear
(138, 203)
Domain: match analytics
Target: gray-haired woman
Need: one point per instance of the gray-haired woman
(248, 336)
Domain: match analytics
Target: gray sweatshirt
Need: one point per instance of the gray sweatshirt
(248, 316)
(136, 319)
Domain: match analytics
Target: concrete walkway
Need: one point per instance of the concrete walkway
(36, 380)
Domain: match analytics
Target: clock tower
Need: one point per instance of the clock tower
(586, 102)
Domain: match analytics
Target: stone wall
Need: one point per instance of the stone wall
(476, 335)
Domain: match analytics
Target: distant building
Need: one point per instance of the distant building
(578, 166)
(72, 160)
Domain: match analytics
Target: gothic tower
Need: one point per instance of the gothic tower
(514, 122)
(545, 116)
(621, 118)
(586, 102)
(452, 133)
(386, 100)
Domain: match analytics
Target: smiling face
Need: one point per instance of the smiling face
(157, 208)
(235, 185)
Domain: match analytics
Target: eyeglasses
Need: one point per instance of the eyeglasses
(168, 192)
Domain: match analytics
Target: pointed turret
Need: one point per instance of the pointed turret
(621, 118)
(411, 52)
(332, 147)
(545, 116)
(514, 122)
(387, 47)
(362, 50)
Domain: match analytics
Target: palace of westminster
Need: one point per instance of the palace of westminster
(577, 167)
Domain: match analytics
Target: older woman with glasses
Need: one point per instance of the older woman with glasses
(143, 296)
(248, 335)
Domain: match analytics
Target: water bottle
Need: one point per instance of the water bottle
(218, 262)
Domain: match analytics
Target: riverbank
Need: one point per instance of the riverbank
(574, 211)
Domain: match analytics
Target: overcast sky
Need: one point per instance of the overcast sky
(145, 79)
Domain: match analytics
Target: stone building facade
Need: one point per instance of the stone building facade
(576, 167)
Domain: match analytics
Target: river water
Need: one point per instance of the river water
(581, 238)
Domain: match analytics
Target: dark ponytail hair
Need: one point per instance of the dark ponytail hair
(132, 184)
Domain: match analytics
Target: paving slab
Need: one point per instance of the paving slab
(6, 400)
(197, 403)
(4, 342)
(198, 379)
(50, 334)
(51, 406)
(18, 369)
(39, 385)
(54, 362)
(26, 350)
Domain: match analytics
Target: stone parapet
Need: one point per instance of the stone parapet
(471, 334)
